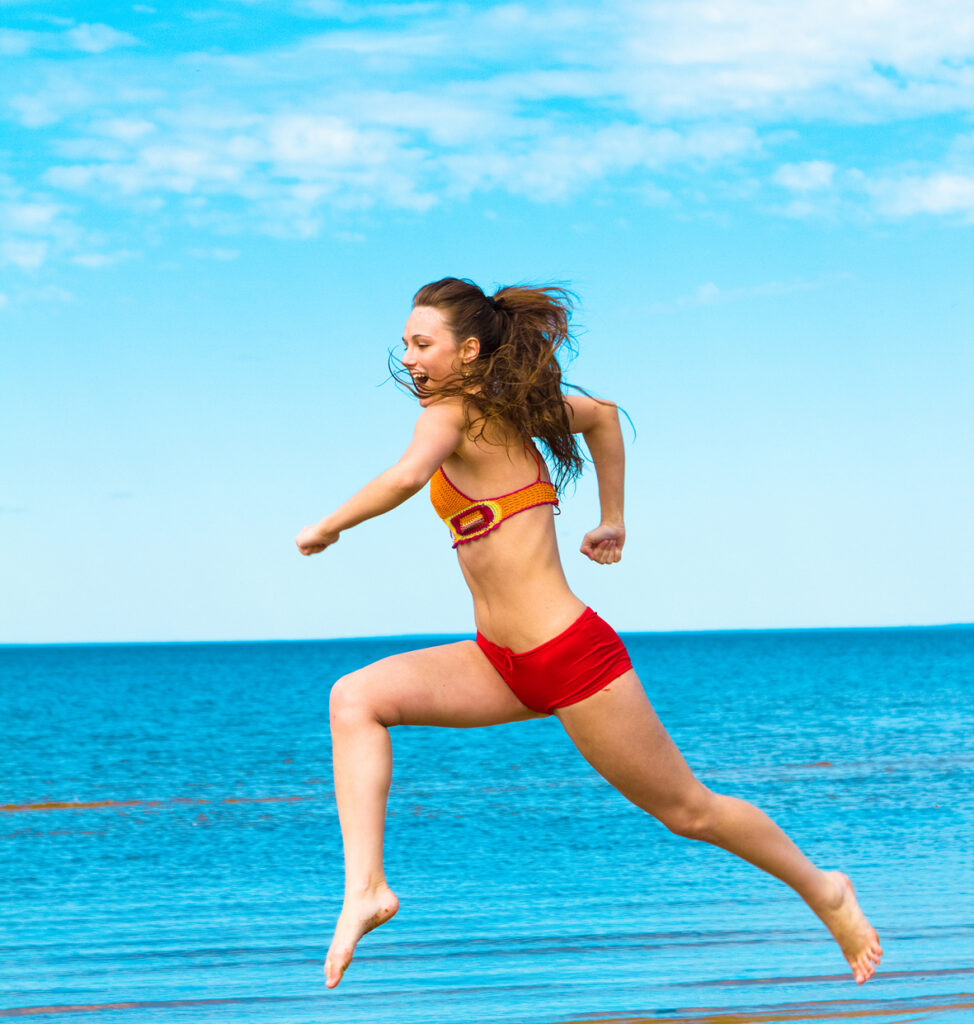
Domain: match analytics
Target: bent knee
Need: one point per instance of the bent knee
(693, 817)
(353, 701)
(347, 700)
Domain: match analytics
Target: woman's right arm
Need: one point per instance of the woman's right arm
(438, 433)
(598, 422)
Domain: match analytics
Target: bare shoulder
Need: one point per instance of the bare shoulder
(439, 427)
(585, 412)
(445, 414)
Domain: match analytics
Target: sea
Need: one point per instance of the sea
(171, 851)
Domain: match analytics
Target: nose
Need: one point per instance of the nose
(407, 360)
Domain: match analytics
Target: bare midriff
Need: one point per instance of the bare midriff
(520, 595)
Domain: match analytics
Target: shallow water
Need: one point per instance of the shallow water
(171, 849)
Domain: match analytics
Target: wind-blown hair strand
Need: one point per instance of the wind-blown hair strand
(516, 381)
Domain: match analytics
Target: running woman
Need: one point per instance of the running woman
(485, 370)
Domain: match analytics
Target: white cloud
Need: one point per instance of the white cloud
(397, 46)
(16, 43)
(97, 38)
(60, 98)
(23, 253)
(4, 300)
(29, 217)
(405, 105)
(84, 38)
(47, 294)
(221, 255)
(345, 11)
(809, 176)
(706, 294)
(125, 129)
(306, 139)
(710, 294)
(941, 193)
(98, 260)
(33, 111)
(854, 59)
(35, 227)
(560, 165)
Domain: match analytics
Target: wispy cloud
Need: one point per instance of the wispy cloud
(710, 294)
(220, 254)
(789, 58)
(808, 176)
(348, 107)
(97, 260)
(97, 38)
(22, 253)
(83, 38)
(938, 193)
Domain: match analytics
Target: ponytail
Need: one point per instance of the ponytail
(515, 382)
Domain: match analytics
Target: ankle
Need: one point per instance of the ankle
(365, 888)
(830, 894)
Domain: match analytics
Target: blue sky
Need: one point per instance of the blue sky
(213, 217)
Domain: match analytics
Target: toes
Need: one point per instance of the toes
(863, 968)
(333, 974)
(335, 967)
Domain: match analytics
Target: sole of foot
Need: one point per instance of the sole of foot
(358, 917)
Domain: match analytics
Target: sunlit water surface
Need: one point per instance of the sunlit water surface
(196, 871)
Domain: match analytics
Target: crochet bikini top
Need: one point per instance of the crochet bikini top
(469, 518)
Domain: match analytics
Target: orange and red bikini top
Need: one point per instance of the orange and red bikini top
(469, 518)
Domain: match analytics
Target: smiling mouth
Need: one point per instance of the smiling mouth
(420, 378)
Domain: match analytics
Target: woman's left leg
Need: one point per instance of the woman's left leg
(618, 733)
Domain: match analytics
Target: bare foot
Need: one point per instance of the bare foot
(849, 927)
(359, 915)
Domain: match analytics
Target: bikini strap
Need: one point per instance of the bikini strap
(537, 458)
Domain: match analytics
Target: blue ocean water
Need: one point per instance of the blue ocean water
(170, 847)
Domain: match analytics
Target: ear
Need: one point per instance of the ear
(469, 350)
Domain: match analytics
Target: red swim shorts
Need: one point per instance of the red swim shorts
(564, 670)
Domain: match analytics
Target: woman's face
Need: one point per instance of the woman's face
(432, 354)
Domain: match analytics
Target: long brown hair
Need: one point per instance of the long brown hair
(515, 382)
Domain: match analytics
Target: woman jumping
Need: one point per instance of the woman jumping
(486, 372)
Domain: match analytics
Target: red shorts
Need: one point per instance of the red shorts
(564, 670)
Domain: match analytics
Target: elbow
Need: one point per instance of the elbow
(408, 478)
(607, 416)
(612, 421)
(605, 426)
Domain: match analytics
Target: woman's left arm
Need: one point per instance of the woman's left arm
(598, 422)
(438, 432)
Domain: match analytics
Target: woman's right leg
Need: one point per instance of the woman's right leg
(454, 686)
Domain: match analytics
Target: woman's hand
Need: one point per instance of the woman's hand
(313, 539)
(604, 543)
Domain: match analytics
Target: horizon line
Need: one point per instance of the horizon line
(13, 645)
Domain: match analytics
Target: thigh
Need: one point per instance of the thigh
(619, 734)
(453, 685)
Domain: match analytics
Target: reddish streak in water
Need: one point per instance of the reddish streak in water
(86, 805)
(800, 1012)
(818, 978)
(29, 1011)
(786, 1012)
